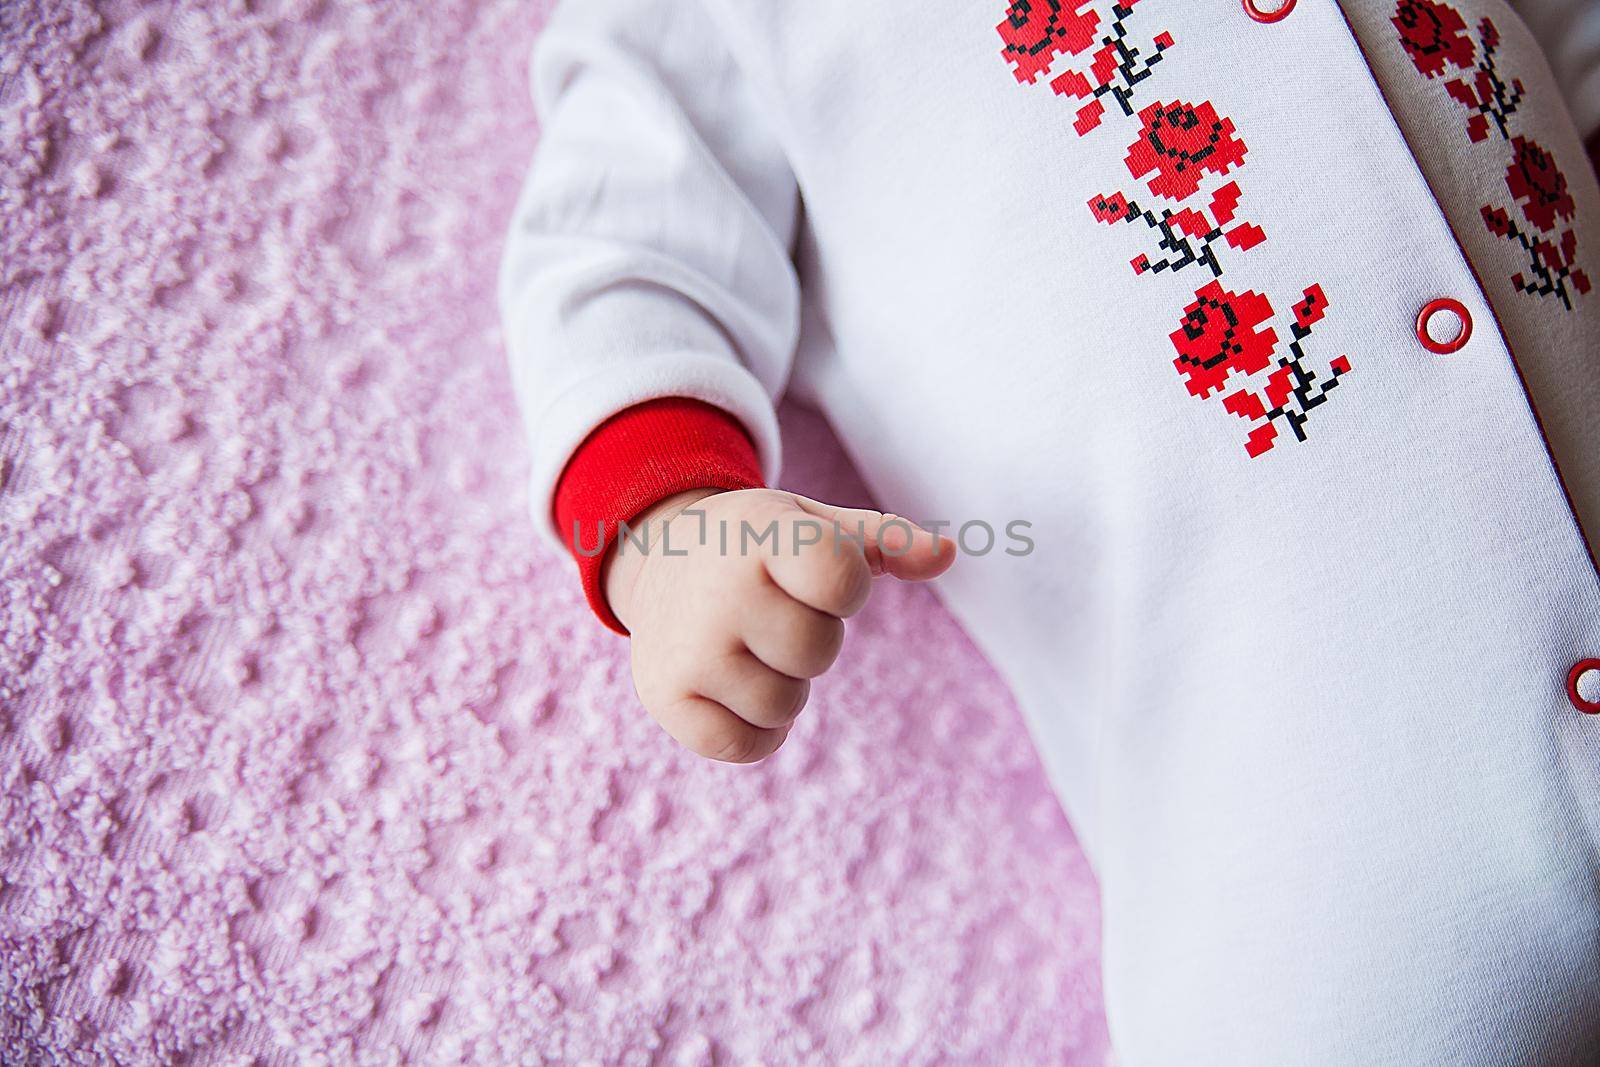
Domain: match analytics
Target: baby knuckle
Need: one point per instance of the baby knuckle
(818, 644)
(729, 745)
(843, 580)
(784, 704)
(799, 696)
(698, 727)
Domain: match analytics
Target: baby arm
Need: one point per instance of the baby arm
(652, 312)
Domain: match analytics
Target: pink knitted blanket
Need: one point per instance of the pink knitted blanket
(308, 752)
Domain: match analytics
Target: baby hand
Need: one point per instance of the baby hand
(726, 640)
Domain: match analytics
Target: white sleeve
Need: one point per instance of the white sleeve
(650, 254)
(1569, 32)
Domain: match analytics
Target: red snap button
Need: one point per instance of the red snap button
(1268, 10)
(1592, 684)
(1444, 326)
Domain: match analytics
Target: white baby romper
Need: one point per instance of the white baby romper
(1234, 304)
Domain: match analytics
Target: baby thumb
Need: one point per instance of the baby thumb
(893, 545)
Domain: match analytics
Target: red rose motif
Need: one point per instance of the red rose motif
(1219, 337)
(1538, 185)
(1180, 142)
(1036, 31)
(1434, 35)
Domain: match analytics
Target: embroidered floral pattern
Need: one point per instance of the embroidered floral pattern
(1189, 234)
(1434, 35)
(1292, 391)
(1483, 92)
(1540, 190)
(1225, 339)
(1180, 143)
(1115, 71)
(1036, 32)
(1537, 184)
(1219, 335)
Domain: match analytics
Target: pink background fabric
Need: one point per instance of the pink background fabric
(310, 753)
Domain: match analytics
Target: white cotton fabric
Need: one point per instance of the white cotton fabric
(1306, 710)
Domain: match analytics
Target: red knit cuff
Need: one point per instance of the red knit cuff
(637, 457)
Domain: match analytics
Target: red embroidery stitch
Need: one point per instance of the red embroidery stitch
(1188, 234)
(1116, 70)
(1181, 142)
(1219, 338)
(1539, 188)
(1224, 336)
(1435, 36)
(1482, 91)
(1037, 31)
(1536, 183)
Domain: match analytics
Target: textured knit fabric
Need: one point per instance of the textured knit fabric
(635, 458)
(1307, 589)
(309, 754)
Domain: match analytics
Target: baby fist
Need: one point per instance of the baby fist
(739, 600)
